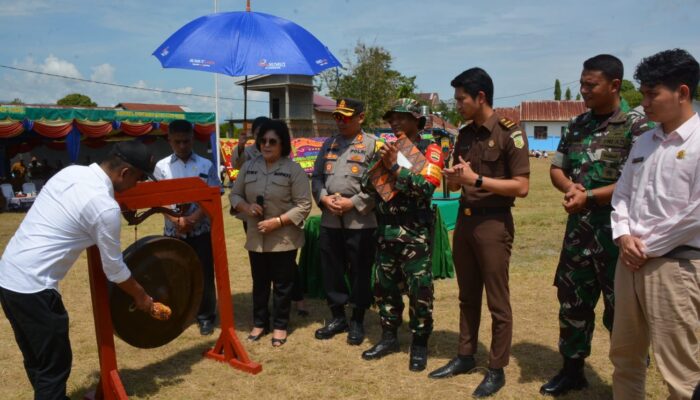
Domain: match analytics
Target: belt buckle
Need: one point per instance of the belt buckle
(468, 212)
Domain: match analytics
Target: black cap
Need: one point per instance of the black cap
(349, 107)
(137, 154)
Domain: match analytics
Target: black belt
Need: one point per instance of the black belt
(406, 219)
(684, 253)
(472, 211)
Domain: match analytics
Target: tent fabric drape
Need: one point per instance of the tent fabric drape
(94, 129)
(10, 128)
(53, 129)
(135, 129)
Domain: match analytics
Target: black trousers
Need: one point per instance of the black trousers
(351, 252)
(297, 291)
(40, 324)
(272, 270)
(202, 246)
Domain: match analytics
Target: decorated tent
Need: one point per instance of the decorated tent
(23, 128)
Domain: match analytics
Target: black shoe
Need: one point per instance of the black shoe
(456, 366)
(418, 359)
(494, 380)
(333, 327)
(569, 378)
(356, 333)
(206, 328)
(389, 344)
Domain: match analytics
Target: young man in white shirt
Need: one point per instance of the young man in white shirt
(75, 210)
(656, 224)
(194, 228)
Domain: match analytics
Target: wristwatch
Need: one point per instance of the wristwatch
(479, 181)
(590, 198)
(395, 168)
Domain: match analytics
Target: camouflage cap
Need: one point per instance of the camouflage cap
(408, 106)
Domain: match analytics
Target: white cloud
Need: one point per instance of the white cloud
(54, 65)
(25, 7)
(103, 73)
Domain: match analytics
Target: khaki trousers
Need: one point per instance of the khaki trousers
(658, 304)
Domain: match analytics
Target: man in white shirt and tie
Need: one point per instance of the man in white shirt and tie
(75, 210)
(656, 224)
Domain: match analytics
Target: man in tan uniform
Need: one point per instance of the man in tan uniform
(491, 167)
(347, 224)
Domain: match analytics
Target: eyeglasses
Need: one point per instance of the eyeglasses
(268, 142)
(343, 118)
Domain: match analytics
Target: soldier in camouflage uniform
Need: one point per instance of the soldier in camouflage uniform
(586, 166)
(403, 262)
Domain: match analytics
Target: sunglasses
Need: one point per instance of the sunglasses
(343, 118)
(268, 142)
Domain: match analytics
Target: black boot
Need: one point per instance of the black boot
(494, 380)
(389, 344)
(356, 333)
(419, 353)
(456, 366)
(333, 327)
(570, 377)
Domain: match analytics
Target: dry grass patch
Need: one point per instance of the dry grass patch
(308, 368)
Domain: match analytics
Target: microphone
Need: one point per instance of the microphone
(260, 200)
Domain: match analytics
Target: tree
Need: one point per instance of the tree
(630, 93)
(578, 96)
(225, 130)
(76, 99)
(557, 90)
(567, 95)
(369, 78)
(449, 113)
(17, 102)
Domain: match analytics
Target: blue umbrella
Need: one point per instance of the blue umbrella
(245, 43)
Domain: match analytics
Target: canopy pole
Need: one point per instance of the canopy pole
(245, 103)
(216, 149)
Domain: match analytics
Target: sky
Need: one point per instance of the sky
(523, 45)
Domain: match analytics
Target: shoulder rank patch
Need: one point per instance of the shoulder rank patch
(518, 141)
(506, 123)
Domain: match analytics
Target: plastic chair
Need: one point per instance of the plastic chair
(28, 188)
(7, 193)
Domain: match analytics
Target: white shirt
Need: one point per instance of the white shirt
(657, 198)
(75, 210)
(172, 167)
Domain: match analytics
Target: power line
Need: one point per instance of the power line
(209, 96)
(125, 86)
(534, 91)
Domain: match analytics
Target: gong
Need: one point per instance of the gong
(170, 272)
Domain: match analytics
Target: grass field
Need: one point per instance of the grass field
(308, 368)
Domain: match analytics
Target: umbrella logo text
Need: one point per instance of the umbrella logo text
(263, 63)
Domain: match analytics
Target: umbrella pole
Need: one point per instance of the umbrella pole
(245, 103)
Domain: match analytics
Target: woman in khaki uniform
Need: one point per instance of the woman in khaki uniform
(274, 195)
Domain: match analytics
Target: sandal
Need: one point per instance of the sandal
(278, 342)
(255, 338)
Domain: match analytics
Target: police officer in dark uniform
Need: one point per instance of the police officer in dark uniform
(491, 167)
(346, 241)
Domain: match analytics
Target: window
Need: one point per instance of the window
(275, 108)
(540, 132)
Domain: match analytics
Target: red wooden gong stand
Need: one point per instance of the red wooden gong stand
(146, 195)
